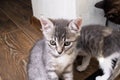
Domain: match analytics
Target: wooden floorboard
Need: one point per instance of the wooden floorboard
(25, 2)
(14, 54)
(20, 14)
(6, 25)
(17, 37)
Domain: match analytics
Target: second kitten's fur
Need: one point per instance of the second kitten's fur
(100, 42)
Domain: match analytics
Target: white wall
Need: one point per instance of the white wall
(54, 8)
(89, 13)
(69, 9)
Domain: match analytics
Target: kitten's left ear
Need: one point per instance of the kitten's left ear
(75, 25)
(100, 5)
(46, 23)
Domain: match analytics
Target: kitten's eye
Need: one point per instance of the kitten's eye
(52, 42)
(67, 43)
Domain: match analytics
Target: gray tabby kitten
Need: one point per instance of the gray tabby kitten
(102, 43)
(53, 57)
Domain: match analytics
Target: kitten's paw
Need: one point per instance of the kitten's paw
(100, 78)
(53, 76)
(68, 79)
(81, 68)
(38, 79)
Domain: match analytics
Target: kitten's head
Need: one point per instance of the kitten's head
(61, 34)
(111, 9)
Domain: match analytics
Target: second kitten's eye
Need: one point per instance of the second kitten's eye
(52, 42)
(67, 43)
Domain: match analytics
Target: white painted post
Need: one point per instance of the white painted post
(54, 8)
(69, 9)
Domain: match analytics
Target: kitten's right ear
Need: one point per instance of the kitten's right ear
(46, 24)
(100, 5)
(75, 25)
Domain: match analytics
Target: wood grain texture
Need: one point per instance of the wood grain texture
(20, 14)
(17, 37)
(13, 55)
(25, 2)
(7, 23)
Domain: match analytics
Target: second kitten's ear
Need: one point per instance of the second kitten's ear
(46, 24)
(100, 5)
(75, 25)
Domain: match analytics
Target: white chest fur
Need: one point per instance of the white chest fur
(62, 62)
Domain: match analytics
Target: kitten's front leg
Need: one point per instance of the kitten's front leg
(85, 63)
(51, 72)
(68, 74)
(106, 66)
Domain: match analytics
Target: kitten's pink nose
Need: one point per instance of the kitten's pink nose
(60, 52)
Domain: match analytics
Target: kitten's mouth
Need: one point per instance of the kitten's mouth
(59, 55)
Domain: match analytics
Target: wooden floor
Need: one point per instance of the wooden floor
(17, 36)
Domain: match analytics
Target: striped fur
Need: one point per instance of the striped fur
(102, 43)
